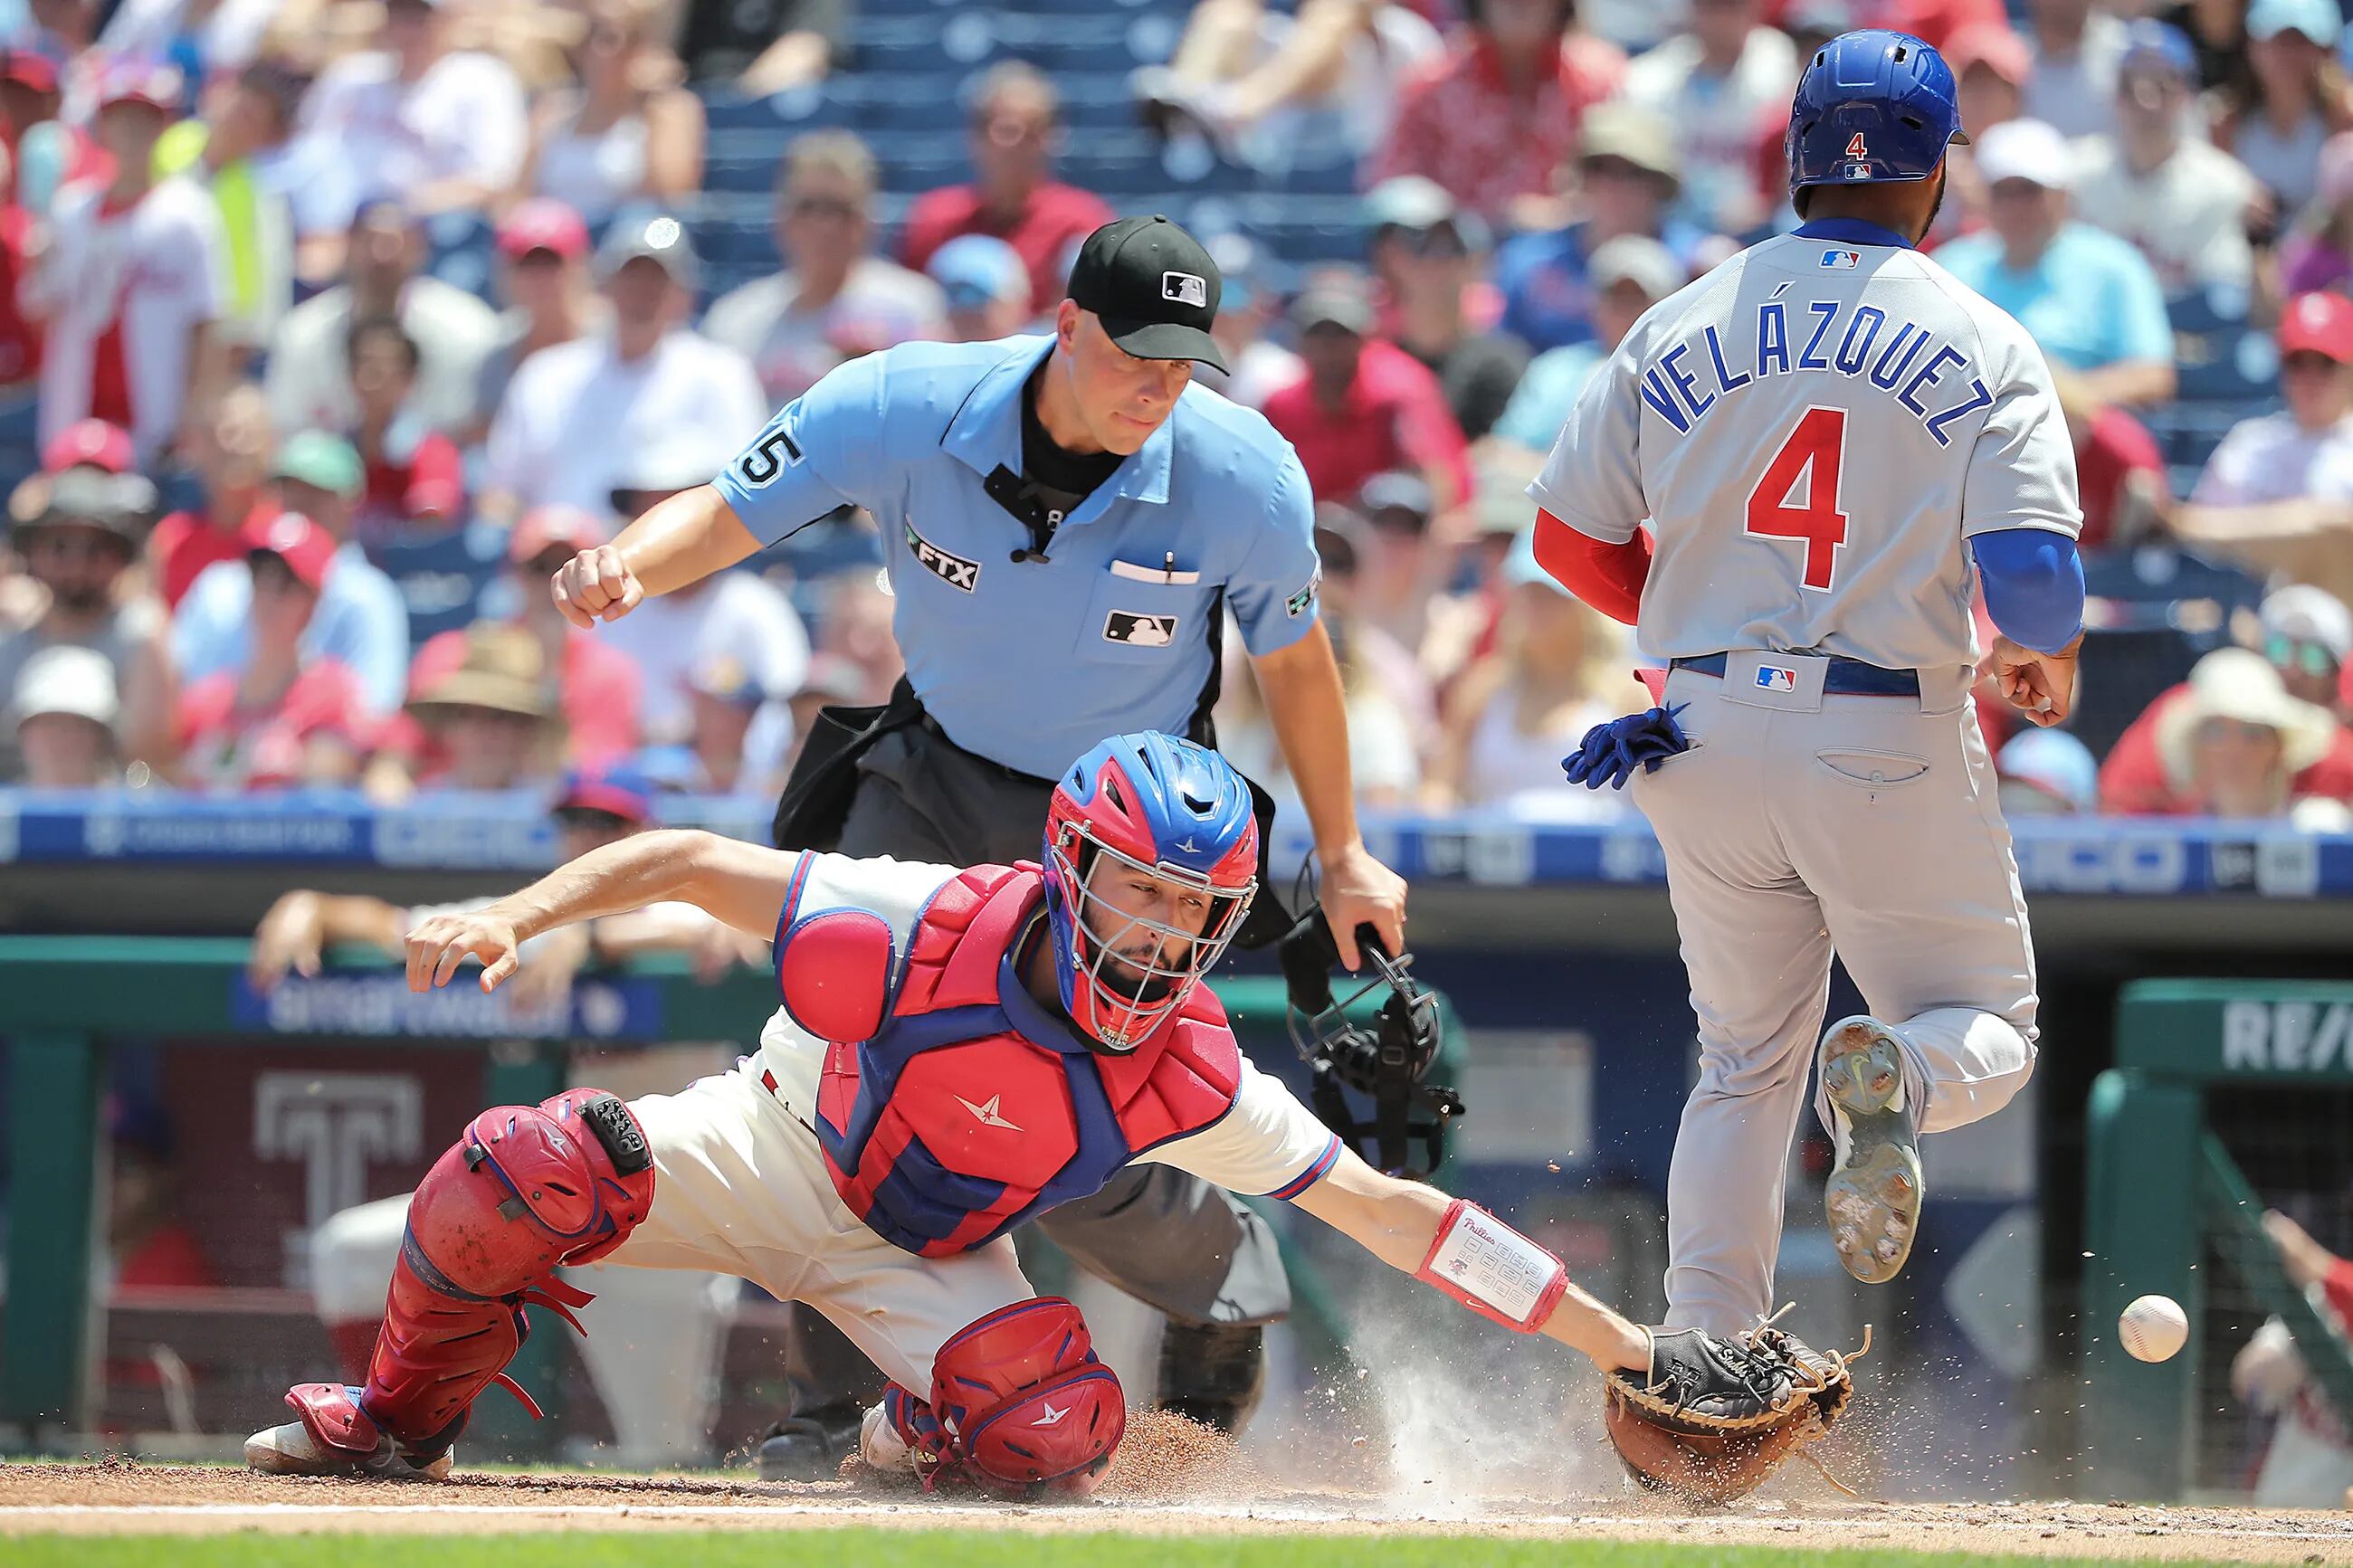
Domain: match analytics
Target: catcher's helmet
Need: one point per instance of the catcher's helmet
(1872, 107)
(1167, 809)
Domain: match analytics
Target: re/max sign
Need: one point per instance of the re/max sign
(2287, 1036)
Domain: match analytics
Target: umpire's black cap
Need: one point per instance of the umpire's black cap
(1155, 288)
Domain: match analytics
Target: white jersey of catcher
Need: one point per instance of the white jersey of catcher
(1813, 429)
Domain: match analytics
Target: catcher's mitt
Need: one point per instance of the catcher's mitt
(1715, 1416)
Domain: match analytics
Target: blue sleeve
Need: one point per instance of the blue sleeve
(1540, 404)
(2143, 328)
(822, 449)
(2033, 585)
(1508, 284)
(367, 628)
(202, 626)
(1272, 593)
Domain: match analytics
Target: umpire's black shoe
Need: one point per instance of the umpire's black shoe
(810, 1446)
(1213, 1373)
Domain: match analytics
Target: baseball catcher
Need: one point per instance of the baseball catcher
(955, 1051)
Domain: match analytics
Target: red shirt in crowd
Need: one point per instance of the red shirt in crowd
(1393, 416)
(1054, 219)
(20, 336)
(186, 542)
(2134, 783)
(414, 476)
(1934, 20)
(225, 748)
(168, 1258)
(2115, 447)
(597, 690)
(1486, 140)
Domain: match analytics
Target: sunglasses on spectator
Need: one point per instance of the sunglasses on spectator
(2218, 729)
(2299, 654)
(1438, 242)
(1402, 522)
(824, 206)
(587, 819)
(2310, 361)
(77, 544)
(272, 576)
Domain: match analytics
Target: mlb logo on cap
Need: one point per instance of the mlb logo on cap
(1773, 678)
(1185, 289)
(1841, 261)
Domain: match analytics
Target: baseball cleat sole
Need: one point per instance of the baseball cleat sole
(290, 1450)
(1872, 1197)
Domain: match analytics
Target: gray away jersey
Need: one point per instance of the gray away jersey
(1813, 429)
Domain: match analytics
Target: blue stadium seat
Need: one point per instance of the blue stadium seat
(734, 243)
(2187, 433)
(461, 247)
(2231, 364)
(442, 579)
(2218, 356)
(19, 419)
(920, 172)
(955, 41)
(723, 278)
(2156, 610)
(739, 174)
(1127, 9)
(807, 108)
(874, 99)
(2153, 612)
(1333, 177)
(1085, 52)
(803, 564)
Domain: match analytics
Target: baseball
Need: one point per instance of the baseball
(2154, 1328)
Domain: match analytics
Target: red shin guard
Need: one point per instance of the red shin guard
(526, 1188)
(1020, 1402)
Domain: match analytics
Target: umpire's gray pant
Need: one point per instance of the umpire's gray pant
(1170, 1239)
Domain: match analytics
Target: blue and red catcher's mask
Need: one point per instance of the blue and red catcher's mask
(1166, 808)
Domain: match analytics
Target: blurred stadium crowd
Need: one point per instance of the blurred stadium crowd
(328, 328)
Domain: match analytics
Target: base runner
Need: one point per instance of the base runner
(956, 1051)
(1835, 442)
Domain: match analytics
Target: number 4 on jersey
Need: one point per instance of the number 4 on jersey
(1779, 509)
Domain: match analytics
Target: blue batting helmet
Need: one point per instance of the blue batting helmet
(1145, 808)
(1872, 107)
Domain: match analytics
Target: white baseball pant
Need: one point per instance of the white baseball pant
(1796, 824)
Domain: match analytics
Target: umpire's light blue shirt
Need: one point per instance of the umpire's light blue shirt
(1030, 664)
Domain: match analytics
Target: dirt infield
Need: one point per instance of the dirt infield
(120, 1496)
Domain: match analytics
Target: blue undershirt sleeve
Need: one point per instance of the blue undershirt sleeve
(2033, 585)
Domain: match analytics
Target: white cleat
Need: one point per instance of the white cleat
(1873, 1198)
(293, 1449)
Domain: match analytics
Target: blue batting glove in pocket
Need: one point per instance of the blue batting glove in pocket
(1610, 752)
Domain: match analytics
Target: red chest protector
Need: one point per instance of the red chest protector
(974, 1107)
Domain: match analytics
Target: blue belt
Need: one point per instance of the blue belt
(1845, 677)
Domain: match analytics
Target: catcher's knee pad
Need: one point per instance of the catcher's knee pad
(1020, 1402)
(526, 1188)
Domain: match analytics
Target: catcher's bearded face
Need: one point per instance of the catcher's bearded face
(1143, 923)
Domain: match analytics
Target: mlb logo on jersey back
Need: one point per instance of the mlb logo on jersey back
(1841, 261)
(1776, 678)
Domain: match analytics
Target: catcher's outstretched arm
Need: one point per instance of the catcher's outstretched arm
(745, 885)
(1473, 1256)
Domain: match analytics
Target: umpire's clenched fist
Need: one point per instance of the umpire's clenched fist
(595, 585)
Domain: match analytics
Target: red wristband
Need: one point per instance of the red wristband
(1494, 1269)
